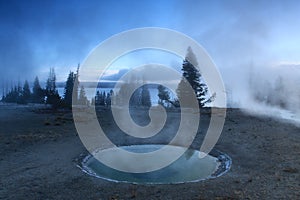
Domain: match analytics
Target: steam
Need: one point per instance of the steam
(248, 41)
(268, 90)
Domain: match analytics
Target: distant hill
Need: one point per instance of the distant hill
(115, 77)
(108, 81)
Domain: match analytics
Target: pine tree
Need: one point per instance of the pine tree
(103, 99)
(192, 77)
(75, 88)
(97, 98)
(19, 93)
(136, 98)
(140, 96)
(51, 82)
(82, 97)
(108, 98)
(163, 95)
(3, 92)
(93, 101)
(26, 94)
(145, 96)
(69, 90)
(37, 92)
(52, 95)
(12, 96)
(122, 93)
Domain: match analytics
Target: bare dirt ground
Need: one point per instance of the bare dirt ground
(38, 149)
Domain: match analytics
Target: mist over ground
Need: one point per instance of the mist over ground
(255, 44)
(266, 90)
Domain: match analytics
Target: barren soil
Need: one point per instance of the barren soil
(39, 149)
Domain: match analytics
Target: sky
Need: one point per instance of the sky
(242, 37)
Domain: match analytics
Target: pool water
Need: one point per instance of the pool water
(188, 168)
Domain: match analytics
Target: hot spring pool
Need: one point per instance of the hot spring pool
(188, 168)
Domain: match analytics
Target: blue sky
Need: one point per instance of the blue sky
(37, 35)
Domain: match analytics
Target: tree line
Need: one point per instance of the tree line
(190, 77)
(73, 94)
(49, 94)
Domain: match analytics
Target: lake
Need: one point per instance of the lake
(90, 93)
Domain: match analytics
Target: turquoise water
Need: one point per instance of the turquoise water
(188, 168)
